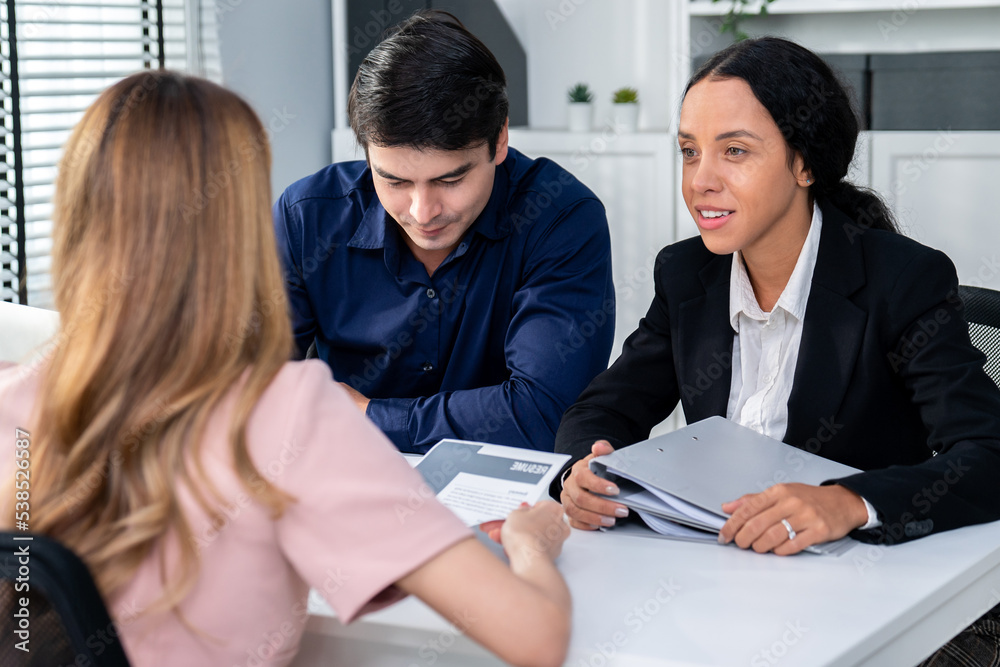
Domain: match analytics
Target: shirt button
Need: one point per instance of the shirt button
(431, 293)
(767, 379)
(428, 367)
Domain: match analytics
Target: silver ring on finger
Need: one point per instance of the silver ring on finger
(788, 527)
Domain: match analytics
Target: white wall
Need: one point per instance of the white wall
(279, 59)
(606, 43)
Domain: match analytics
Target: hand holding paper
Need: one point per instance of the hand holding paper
(534, 530)
(584, 509)
(483, 483)
(492, 528)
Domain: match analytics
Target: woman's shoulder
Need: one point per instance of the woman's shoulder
(293, 375)
(18, 393)
(18, 386)
(9, 372)
(900, 279)
(898, 244)
(12, 372)
(884, 252)
(300, 387)
(892, 256)
(687, 268)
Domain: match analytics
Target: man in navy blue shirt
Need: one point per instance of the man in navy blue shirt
(456, 288)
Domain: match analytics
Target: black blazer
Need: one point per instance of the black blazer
(886, 379)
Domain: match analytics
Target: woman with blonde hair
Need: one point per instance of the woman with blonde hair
(205, 480)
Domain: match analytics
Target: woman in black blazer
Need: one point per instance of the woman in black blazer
(801, 312)
(880, 375)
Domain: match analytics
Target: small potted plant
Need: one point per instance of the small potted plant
(580, 108)
(625, 109)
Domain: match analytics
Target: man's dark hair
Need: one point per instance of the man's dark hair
(814, 112)
(429, 83)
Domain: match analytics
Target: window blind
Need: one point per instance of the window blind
(55, 58)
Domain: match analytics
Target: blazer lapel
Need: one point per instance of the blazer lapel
(705, 341)
(832, 333)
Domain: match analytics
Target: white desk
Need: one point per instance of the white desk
(642, 601)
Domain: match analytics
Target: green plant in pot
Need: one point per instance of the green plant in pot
(625, 109)
(581, 108)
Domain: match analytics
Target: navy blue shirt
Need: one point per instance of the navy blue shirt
(495, 345)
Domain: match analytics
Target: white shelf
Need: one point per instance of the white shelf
(708, 8)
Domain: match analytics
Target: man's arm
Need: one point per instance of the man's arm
(288, 234)
(624, 403)
(639, 391)
(558, 339)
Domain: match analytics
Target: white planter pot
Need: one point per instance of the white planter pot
(625, 117)
(580, 116)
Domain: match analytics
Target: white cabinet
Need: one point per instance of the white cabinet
(940, 185)
(857, 26)
(709, 8)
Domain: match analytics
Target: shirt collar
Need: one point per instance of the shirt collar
(796, 293)
(371, 232)
(491, 223)
(494, 222)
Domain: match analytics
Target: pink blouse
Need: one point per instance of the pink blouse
(359, 524)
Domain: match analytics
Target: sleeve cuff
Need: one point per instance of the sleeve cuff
(873, 520)
(562, 478)
(392, 415)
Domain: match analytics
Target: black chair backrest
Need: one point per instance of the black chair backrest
(982, 310)
(63, 620)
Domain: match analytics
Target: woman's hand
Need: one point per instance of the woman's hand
(584, 509)
(529, 530)
(528, 601)
(816, 514)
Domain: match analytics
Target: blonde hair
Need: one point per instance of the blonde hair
(170, 292)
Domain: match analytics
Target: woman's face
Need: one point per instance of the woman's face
(737, 182)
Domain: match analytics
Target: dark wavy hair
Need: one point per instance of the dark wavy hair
(814, 112)
(430, 83)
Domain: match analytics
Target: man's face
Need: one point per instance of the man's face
(434, 195)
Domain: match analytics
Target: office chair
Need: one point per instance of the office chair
(982, 311)
(67, 622)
